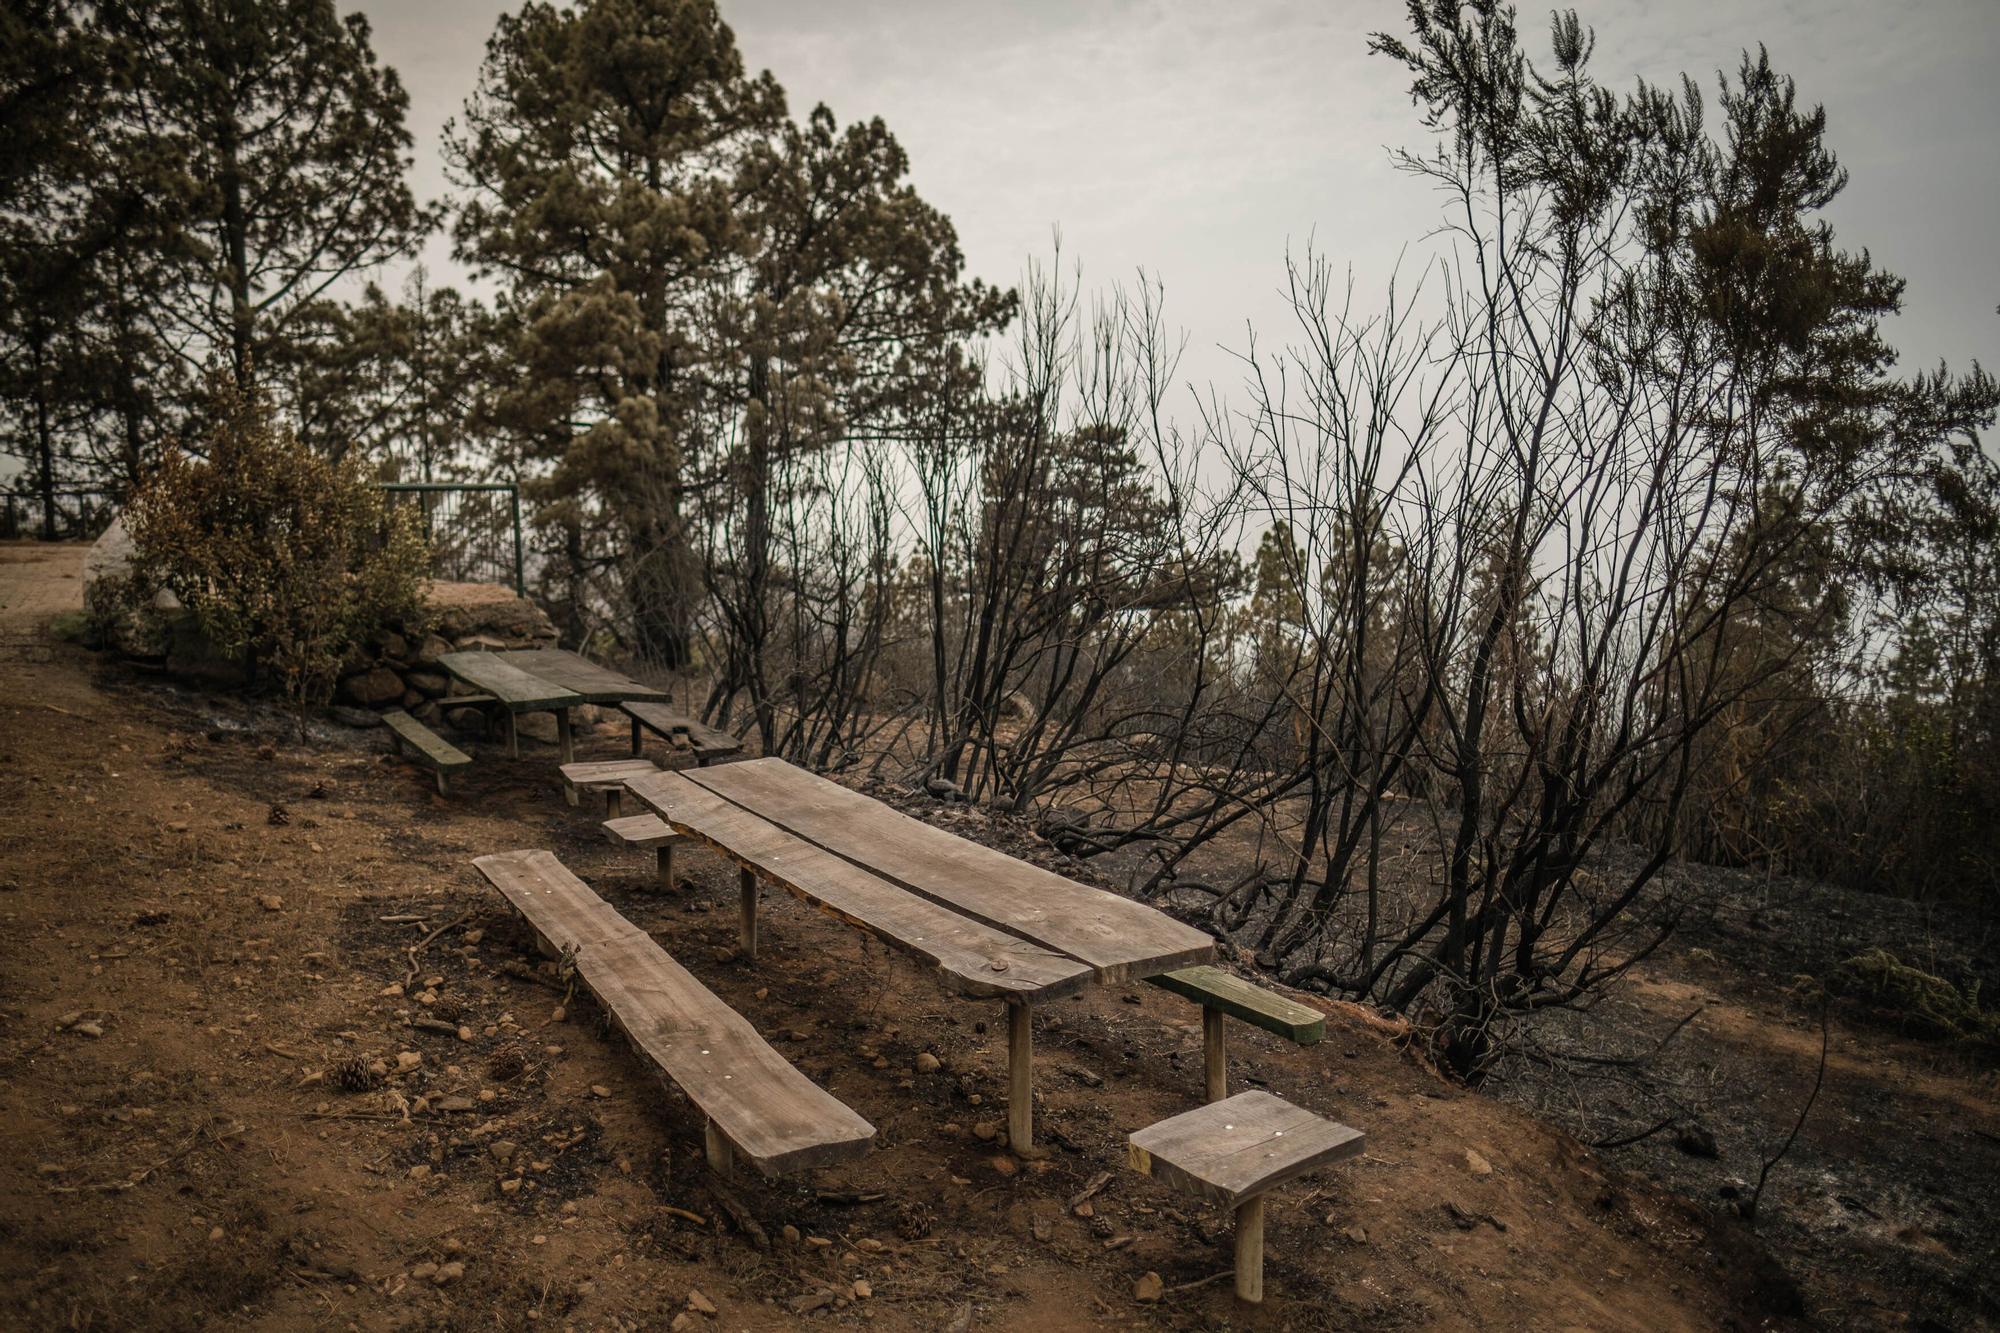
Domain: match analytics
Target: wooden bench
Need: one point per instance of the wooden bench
(414, 740)
(515, 691)
(1231, 1152)
(658, 718)
(755, 1104)
(646, 831)
(1220, 994)
(606, 775)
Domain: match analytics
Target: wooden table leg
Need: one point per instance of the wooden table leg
(720, 1152)
(563, 736)
(666, 855)
(513, 736)
(614, 803)
(1020, 1078)
(637, 743)
(747, 938)
(1250, 1250)
(1214, 1062)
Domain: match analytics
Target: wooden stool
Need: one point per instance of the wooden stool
(606, 775)
(1234, 1150)
(643, 832)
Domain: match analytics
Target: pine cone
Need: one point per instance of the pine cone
(448, 1011)
(913, 1221)
(356, 1074)
(280, 815)
(507, 1066)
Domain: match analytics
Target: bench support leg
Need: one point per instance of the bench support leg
(570, 793)
(747, 937)
(666, 855)
(721, 1155)
(1250, 1250)
(1020, 1079)
(637, 743)
(614, 803)
(1214, 1060)
(444, 783)
(564, 737)
(514, 737)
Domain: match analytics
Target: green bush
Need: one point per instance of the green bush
(1927, 1004)
(287, 560)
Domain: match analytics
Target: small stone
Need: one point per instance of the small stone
(818, 1242)
(1004, 1166)
(420, 1171)
(1476, 1164)
(880, 1062)
(424, 1272)
(599, 1090)
(558, 1014)
(790, 1233)
(271, 902)
(682, 1321)
(464, 1033)
(699, 1303)
(88, 1029)
(449, 1273)
(215, 1233)
(503, 1150)
(394, 990)
(986, 1131)
(408, 1060)
(511, 1185)
(1359, 1235)
(1149, 1288)
(539, 1239)
(862, 1291)
(927, 1063)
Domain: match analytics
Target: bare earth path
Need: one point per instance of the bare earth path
(203, 920)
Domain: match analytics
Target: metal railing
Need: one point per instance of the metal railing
(79, 515)
(474, 529)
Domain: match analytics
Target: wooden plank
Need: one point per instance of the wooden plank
(1250, 1250)
(1237, 1148)
(770, 1113)
(605, 774)
(423, 744)
(512, 688)
(1115, 936)
(591, 681)
(708, 743)
(641, 831)
(974, 959)
(1214, 1057)
(1212, 988)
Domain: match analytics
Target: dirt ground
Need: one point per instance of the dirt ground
(203, 921)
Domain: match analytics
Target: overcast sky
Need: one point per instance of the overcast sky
(1199, 139)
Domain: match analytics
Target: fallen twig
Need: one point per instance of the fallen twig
(416, 950)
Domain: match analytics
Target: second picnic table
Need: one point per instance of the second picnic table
(991, 925)
(544, 680)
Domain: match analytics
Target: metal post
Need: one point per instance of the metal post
(520, 567)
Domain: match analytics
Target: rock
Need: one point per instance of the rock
(420, 1172)
(408, 1060)
(1358, 1235)
(683, 1320)
(87, 1029)
(466, 610)
(1004, 1166)
(372, 689)
(599, 1090)
(412, 700)
(511, 1185)
(986, 1131)
(1476, 1164)
(699, 1303)
(271, 902)
(790, 1233)
(503, 1150)
(354, 717)
(1696, 1141)
(927, 1063)
(424, 1272)
(388, 643)
(449, 1273)
(427, 653)
(431, 683)
(1149, 1288)
(862, 1291)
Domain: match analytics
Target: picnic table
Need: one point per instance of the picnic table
(990, 925)
(544, 680)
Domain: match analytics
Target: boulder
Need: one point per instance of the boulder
(388, 643)
(471, 721)
(412, 699)
(430, 683)
(482, 643)
(375, 688)
(430, 650)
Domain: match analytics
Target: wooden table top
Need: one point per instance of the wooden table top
(538, 679)
(512, 688)
(1076, 931)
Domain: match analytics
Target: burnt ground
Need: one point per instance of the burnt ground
(205, 923)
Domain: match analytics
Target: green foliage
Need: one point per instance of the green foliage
(1928, 1004)
(285, 558)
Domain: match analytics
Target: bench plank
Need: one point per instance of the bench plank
(768, 1111)
(605, 774)
(419, 742)
(975, 959)
(591, 681)
(1235, 1149)
(1212, 988)
(1116, 937)
(512, 688)
(641, 831)
(708, 743)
